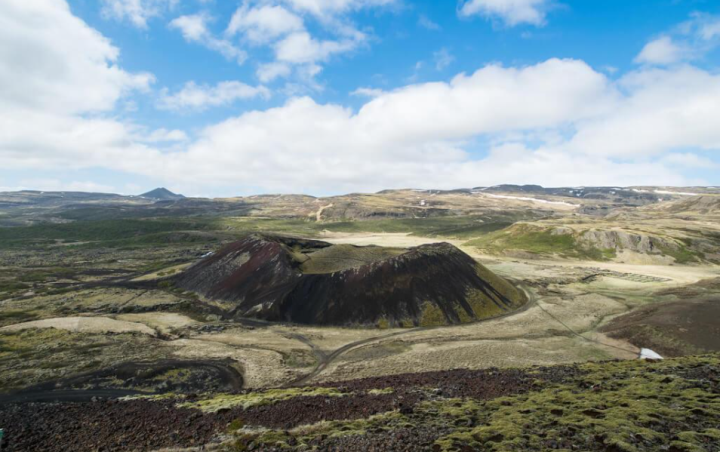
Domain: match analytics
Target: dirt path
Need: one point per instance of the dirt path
(324, 360)
(318, 215)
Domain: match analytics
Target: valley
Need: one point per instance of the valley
(180, 297)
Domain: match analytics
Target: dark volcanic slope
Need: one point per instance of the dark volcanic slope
(305, 281)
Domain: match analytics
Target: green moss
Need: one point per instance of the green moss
(305, 434)
(342, 257)
(10, 317)
(236, 425)
(614, 403)
(681, 254)
(257, 398)
(432, 315)
(529, 239)
(539, 240)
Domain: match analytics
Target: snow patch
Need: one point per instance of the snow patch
(679, 193)
(522, 198)
(646, 353)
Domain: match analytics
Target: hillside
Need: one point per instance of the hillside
(634, 406)
(306, 281)
(601, 241)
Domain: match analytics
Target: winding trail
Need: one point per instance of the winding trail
(318, 215)
(324, 360)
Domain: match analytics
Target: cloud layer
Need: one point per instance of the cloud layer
(555, 122)
(511, 12)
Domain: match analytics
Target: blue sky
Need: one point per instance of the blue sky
(224, 98)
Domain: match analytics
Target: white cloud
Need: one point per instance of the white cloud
(443, 58)
(591, 131)
(705, 26)
(58, 77)
(194, 28)
(427, 23)
(689, 41)
(301, 48)
(281, 25)
(164, 136)
(511, 12)
(663, 110)
(58, 185)
(689, 160)
(394, 140)
(559, 122)
(329, 8)
(662, 51)
(270, 71)
(200, 97)
(367, 92)
(264, 24)
(54, 62)
(138, 12)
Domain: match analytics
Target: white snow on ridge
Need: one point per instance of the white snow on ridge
(646, 353)
(679, 193)
(522, 198)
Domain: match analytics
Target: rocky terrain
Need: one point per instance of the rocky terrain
(281, 278)
(614, 406)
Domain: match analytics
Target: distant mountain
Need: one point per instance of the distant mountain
(162, 194)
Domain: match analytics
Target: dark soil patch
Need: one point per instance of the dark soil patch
(159, 377)
(676, 328)
(476, 384)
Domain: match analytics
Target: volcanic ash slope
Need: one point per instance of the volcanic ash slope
(311, 282)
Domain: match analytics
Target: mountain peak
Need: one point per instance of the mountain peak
(161, 194)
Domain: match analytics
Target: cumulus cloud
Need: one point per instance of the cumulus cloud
(511, 12)
(268, 72)
(265, 23)
(664, 109)
(199, 97)
(662, 51)
(58, 80)
(394, 139)
(194, 28)
(137, 12)
(557, 122)
(281, 25)
(586, 129)
(54, 62)
(368, 92)
(689, 41)
(164, 136)
(301, 48)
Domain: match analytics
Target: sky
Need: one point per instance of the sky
(238, 97)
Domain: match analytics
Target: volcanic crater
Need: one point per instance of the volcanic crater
(289, 279)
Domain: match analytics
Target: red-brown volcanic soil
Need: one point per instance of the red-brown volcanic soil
(113, 425)
(675, 328)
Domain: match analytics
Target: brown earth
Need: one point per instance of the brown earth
(111, 425)
(422, 408)
(676, 328)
